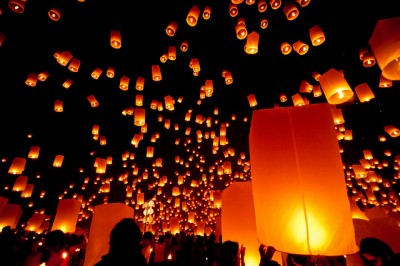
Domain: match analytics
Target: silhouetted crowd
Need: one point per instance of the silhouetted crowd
(129, 246)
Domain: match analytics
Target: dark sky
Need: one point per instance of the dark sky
(32, 39)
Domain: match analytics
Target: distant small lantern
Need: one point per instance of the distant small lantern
(364, 92)
(115, 39)
(252, 100)
(286, 48)
(193, 16)
(263, 23)
(251, 46)
(139, 99)
(74, 65)
(110, 72)
(139, 83)
(20, 183)
(282, 97)
(290, 10)
(156, 73)
(317, 36)
(139, 117)
(262, 6)
(233, 10)
(171, 53)
(32, 79)
(17, 166)
(184, 46)
(335, 87)
(124, 83)
(368, 59)
(300, 47)
(171, 28)
(93, 101)
(18, 6)
(64, 57)
(207, 13)
(67, 83)
(58, 160)
(96, 73)
(54, 14)
(275, 4)
(58, 106)
(43, 76)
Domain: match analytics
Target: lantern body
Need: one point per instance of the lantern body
(251, 46)
(17, 166)
(171, 28)
(100, 229)
(67, 215)
(156, 73)
(193, 16)
(317, 36)
(299, 191)
(364, 92)
(237, 199)
(115, 39)
(10, 215)
(384, 44)
(335, 87)
(20, 183)
(35, 222)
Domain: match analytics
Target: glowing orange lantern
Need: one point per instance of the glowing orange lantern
(171, 28)
(314, 217)
(32, 79)
(34, 152)
(193, 16)
(251, 46)
(17, 166)
(18, 6)
(139, 83)
(303, 3)
(27, 192)
(300, 47)
(263, 23)
(290, 10)
(171, 53)
(115, 39)
(275, 4)
(110, 72)
(384, 82)
(43, 76)
(317, 36)
(392, 130)
(184, 46)
(58, 160)
(241, 30)
(74, 65)
(233, 10)
(124, 83)
(54, 14)
(58, 106)
(93, 101)
(364, 92)
(139, 117)
(156, 73)
(96, 73)
(286, 48)
(64, 57)
(252, 100)
(368, 59)
(20, 183)
(207, 13)
(384, 45)
(67, 83)
(335, 87)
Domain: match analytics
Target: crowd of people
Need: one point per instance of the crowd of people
(129, 246)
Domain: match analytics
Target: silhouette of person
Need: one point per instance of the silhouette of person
(375, 252)
(124, 245)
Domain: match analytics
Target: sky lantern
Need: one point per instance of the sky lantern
(297, 100)
(237, 200)
(34, 152)
(384, 44)
(139, 117)
(31, 80)
(171, 28)
(42, 76)
(233, 10)
(58, 106)
(93, 101)
(335, 87)
(17, 166)
(286, 48)
(100, 229)
(139, 83)
(74, 65)
(251, 46)
(262, 6)
(58, 160)
(27, 192)
(64, 58)
(297, 211)
(101, 166)
(290, 10)
(228, 78)
(18, 6)
(193, 16)
(252, 100)
(300, 47)
(392, 131)
(20, 183)
(115, 39)
(264, 23)
(303, 3)
(67, 83)
(368, 59)
(275, 4)
(139, 99)
(54, 14)
(207, 13)
(156, 73)
(124, 83)
(172, 53)
(35, 221)
(184, 46)
(96, 73)
(317, 36)
(364, 92)
(67, 215)
(384, 82)
(240, 28)
(10, 215)
(110, 72)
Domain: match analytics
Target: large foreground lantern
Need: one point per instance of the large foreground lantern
(384, 44)
(299, 190)
(67, 215)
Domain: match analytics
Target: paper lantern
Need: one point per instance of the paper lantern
(263, 23)
(174, 225)
(252, 100)
(384, 44)
(58, 106)
(233, 10)
(96, 73)
(184, 46)
(300, 47)
(290, 10)
(286, 48)
(364, 92)
(100, 229)
(67, 83)
(34, 152)
(18, 6)
(139, 100)
(191, 217)
(110, 72)
(298, 100)
(335, 87)
(139, 117)
(297, 211)
(237, 2)
(31, 80)
(172, 53)
(384, 82)
(251, 46)
(35, 222)
(139, 83)
(262, 6)
(171, 28)
(193, 16)
(101, 166)
(54, 14)
(156, 73)
(17, 166)
(115, 39)
(317, 91)
(27, 192)
(275, 4)
(93, 101)
(207, 13)
(228, 78)
(20, 183)
(10, 215)
(58, 160)
(317, 36)
(241, 30)
(303, 3)
(237, 199)
(124, 83)
(67, 215)
(64, 58)
(392, 131)
(42, 76)
(368, 59)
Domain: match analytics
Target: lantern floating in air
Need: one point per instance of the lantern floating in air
(18, 6)
(251, 46)
(335, 87)
(290, 10)
(193, 16)
(115, 39)
(317, 36)
(54, 14)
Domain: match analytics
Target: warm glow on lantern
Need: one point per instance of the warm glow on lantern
(286, 48)
(335, 87)
(156, 73)
(58, 160)
(18, 6)
(124, 83)
(207, 13)
(317, 36)
(252, 100)
(54, 14)
(364, 92)
(392, 131)
(110, 72)
(171, 28)
(115, 39)
(17, 166)
(58, 106)
(275, 4)
(300, 47)
(31, 80)
(93, 101)
(290, 10)
(233, 10)
(314, 217)
(193, 16)
(251, 46)
(34, 152)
